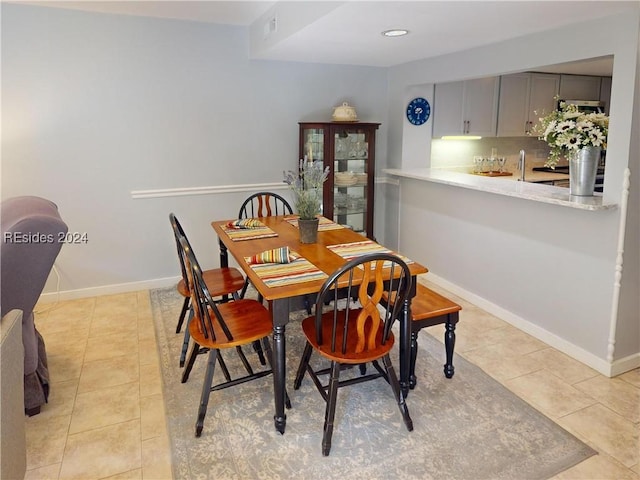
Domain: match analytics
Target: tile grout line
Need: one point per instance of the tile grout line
(75, 397)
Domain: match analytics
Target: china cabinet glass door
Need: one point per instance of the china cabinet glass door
(348, 149)
(313, 144)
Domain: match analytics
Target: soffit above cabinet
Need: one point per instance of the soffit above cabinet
(348, 32)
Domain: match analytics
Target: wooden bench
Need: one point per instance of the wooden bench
(429, 308)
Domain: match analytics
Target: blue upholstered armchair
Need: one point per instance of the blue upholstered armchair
(31, 229)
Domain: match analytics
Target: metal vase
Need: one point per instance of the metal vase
(308, 230)
(583, 168)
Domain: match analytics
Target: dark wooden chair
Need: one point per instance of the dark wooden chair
(354, 331)
(219, 326)
(220, 282)
(266, 204)
(262, 204)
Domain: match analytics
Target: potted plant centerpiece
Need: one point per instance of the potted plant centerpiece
(306, 185)
(578, 136)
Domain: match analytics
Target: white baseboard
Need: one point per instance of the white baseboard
(601, 365)
(50, 297)
(625, 364)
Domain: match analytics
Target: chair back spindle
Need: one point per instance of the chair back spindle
(264, 204)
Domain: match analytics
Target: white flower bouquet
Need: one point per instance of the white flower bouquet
(567, 130)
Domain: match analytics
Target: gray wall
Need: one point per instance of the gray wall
(96, 106)
(551, 270)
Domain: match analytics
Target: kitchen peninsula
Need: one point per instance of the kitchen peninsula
(502, 186)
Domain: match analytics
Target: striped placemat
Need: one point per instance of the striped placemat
(299, 270)
(324, 224)
(349, 251)
(239, 234)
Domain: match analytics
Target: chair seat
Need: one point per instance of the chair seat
(220, 281)
(309, 329)
(247, 320)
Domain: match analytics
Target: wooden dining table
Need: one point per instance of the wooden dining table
(281, 298)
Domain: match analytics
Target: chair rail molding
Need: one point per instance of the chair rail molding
(220, 189)
(385, 179)
(207, 190)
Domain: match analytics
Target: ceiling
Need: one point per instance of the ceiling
(349, 32)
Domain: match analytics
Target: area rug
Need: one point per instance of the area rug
(467, 427)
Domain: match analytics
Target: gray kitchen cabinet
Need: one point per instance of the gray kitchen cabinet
(579, 87)
(524, 98)
(467, 107)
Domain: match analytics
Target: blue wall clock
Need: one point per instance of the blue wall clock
(418, 111)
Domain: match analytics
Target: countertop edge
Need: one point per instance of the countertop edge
(524, 190)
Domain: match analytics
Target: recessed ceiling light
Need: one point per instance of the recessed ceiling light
(396, 32)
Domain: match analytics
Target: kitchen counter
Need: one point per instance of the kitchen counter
(509, 186)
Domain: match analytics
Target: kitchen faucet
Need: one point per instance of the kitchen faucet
(521, 165)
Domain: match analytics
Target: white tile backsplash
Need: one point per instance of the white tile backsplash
(457, 155)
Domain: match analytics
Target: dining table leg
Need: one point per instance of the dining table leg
(224, 255)
(280, 316)
(224, 262)
(405, 347)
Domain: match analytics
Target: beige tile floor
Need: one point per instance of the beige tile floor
(105, 416)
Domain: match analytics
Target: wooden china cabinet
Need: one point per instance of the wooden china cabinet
(348, 149)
